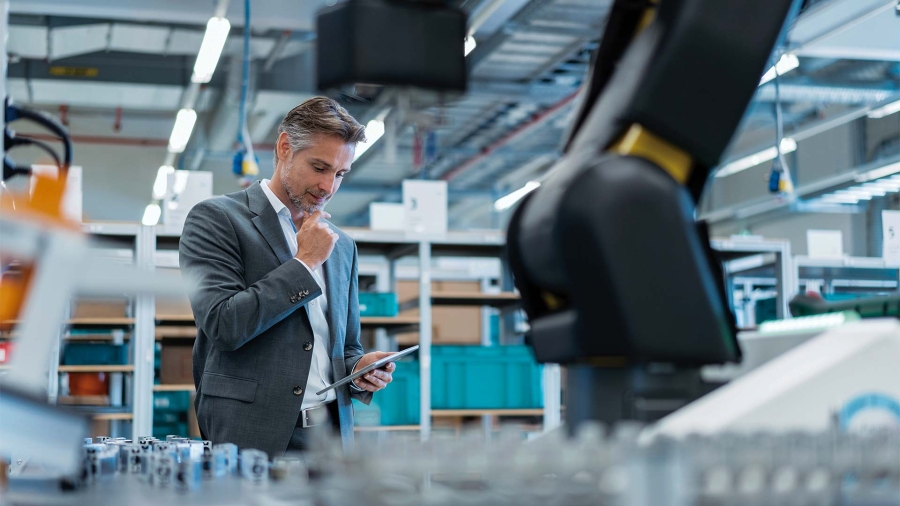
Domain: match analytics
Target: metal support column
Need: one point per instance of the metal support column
(788, 282)
(425, 338)
(142, 338)
(552, 384)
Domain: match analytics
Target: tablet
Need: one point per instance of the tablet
(374, 365)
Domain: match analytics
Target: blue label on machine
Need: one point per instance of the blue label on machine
(875, 403)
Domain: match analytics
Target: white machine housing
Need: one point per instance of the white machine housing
(848, 375)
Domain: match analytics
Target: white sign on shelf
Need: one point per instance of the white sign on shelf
(72, 200)
(184, 190)
(890, 228)
(387, 216)
(825, 244)
(426, 206)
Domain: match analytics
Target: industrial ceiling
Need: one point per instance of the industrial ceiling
(118, 69)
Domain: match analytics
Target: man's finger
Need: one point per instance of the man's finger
(381, 374)
(390, 367)
(371, 378)
(366, 385)
(325, 215)
(314, 217)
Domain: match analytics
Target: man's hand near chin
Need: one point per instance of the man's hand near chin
(377, 379)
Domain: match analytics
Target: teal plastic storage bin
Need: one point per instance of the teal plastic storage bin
(95, 354)
(161, 430)
(164, 417)
(171, 401)
(378, 304)
(478, 377)
(398, 404)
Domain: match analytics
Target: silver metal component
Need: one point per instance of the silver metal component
(254, 465)
(230, 451)
(188, 475)
(164, 469)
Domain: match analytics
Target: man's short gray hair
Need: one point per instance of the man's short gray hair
(318, 115)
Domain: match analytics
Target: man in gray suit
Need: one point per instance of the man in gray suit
(276, 300)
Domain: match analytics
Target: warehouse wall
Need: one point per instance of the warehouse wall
(823, 155)
(793, 228)
(118, 179)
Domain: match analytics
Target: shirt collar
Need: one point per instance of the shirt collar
(277, 204)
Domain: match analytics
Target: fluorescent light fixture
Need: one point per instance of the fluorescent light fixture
(504, 203)
(859, 195)
(806, 323)
(181, 177)
(890, 185)
(211, 49)
(374, 131)
(839, 199)
(875, 192)
(787, 63)
(887, 170)
(787, 145)
(151, 215)
(162, 178)
(885, 110)
(469, 45)
(181, 132)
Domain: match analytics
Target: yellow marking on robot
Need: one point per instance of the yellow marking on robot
(640, 142)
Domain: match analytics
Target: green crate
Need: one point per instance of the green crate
(94, 354)
(171, 401)
(161, 430)
(766, 309)
(398, 404)
(378, 304)
(880, 306)
(169, 416)
(485, 377)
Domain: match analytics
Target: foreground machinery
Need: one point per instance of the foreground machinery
(589, 250)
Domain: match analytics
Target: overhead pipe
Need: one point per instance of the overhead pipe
(522, 129)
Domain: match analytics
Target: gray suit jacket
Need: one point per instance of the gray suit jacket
(250, 307)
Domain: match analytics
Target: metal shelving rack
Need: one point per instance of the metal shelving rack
(396, 245)
(847, 274)
(139, 240)
(751, 263)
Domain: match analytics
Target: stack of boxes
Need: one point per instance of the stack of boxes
(172, 409)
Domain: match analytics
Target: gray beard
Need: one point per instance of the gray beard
(297, 200)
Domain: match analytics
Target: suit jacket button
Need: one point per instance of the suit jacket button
(307, 346)
(293, 298)
(298, 390)
(300, 295)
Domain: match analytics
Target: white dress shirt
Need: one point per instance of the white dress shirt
(320, 370)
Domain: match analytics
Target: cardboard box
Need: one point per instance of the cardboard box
(449, 325)
(169, 307)
(100, 308)
(176, 365)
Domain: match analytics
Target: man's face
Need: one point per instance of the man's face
(312, 176)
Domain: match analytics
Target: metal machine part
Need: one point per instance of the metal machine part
(595, 467)
(617, 278)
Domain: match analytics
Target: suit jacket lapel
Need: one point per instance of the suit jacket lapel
(266, 221)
